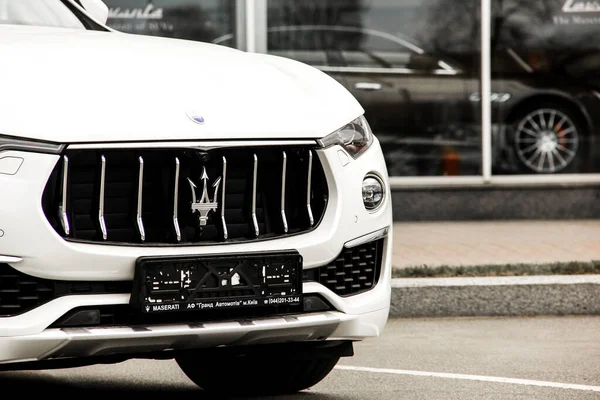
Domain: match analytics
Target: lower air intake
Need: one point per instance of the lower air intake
(20, 293)
(355, 270)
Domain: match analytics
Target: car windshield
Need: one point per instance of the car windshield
(50, 13)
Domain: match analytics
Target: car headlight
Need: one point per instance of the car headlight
(355, 137)
(22, 144)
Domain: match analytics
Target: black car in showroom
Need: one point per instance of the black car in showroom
(426, 108)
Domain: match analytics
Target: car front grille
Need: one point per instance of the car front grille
(20, 293)
(355, 270)
(185, 196)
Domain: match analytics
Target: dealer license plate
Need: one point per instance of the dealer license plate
(175, 284)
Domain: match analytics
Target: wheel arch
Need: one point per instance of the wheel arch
(558, 99)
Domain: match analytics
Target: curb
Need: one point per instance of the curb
(496, 296)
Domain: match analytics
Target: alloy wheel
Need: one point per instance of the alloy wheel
(546, 140)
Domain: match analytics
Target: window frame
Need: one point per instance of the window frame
(258, 16)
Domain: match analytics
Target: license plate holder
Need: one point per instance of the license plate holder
(192, 283)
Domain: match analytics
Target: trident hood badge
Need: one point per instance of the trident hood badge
(205, 205)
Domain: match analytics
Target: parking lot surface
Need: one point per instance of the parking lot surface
(446, 358)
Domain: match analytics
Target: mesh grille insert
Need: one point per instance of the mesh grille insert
(20, 293)
(354, 270)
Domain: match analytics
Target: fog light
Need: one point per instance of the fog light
(81, 318)
(372, 192)
(315, 303)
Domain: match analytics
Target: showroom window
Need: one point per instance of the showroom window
(202, 20)
(416, 89)
(464, 93)
(545, 75)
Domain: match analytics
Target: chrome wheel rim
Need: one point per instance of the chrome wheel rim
(546, 140)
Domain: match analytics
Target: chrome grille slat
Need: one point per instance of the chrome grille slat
(283, 177)
(311, 218)
(176, 201)
(224, 177)
(140, 194)
(254, 183)
(101, 199)
(62, 208)
(139, 198)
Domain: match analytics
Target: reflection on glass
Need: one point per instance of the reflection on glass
(412, 64)
(545, 65)
(202, 20)
(49, 13)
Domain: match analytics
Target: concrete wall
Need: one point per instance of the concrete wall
(464, 204)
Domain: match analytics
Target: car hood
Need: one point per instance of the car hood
(73, 86)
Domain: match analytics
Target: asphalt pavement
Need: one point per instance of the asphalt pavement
(441, 358)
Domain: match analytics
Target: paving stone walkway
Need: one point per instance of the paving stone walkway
(495, 242)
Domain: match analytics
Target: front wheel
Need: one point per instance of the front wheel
(547, 139)
(248, 375)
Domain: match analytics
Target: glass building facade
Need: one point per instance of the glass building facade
(469, 91)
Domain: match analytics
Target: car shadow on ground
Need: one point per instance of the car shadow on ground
(28, 383)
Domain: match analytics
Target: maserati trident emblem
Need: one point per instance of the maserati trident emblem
(194, 116)
(205, 205)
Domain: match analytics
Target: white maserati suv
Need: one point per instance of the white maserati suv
(167, 199)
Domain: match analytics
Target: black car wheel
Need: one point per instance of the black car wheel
(250, 375)
(547, 139)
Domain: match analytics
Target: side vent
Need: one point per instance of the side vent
(355, 270)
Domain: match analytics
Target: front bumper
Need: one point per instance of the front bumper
(68, 343)
(28, 237)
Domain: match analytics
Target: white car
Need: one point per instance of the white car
(168, 199)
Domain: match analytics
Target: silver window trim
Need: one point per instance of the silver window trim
(388, 71)
(392, 38)
(486, 90)
(497, 181)
(444, 66)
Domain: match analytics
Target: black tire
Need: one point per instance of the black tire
(566, 152)
(252, 375)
